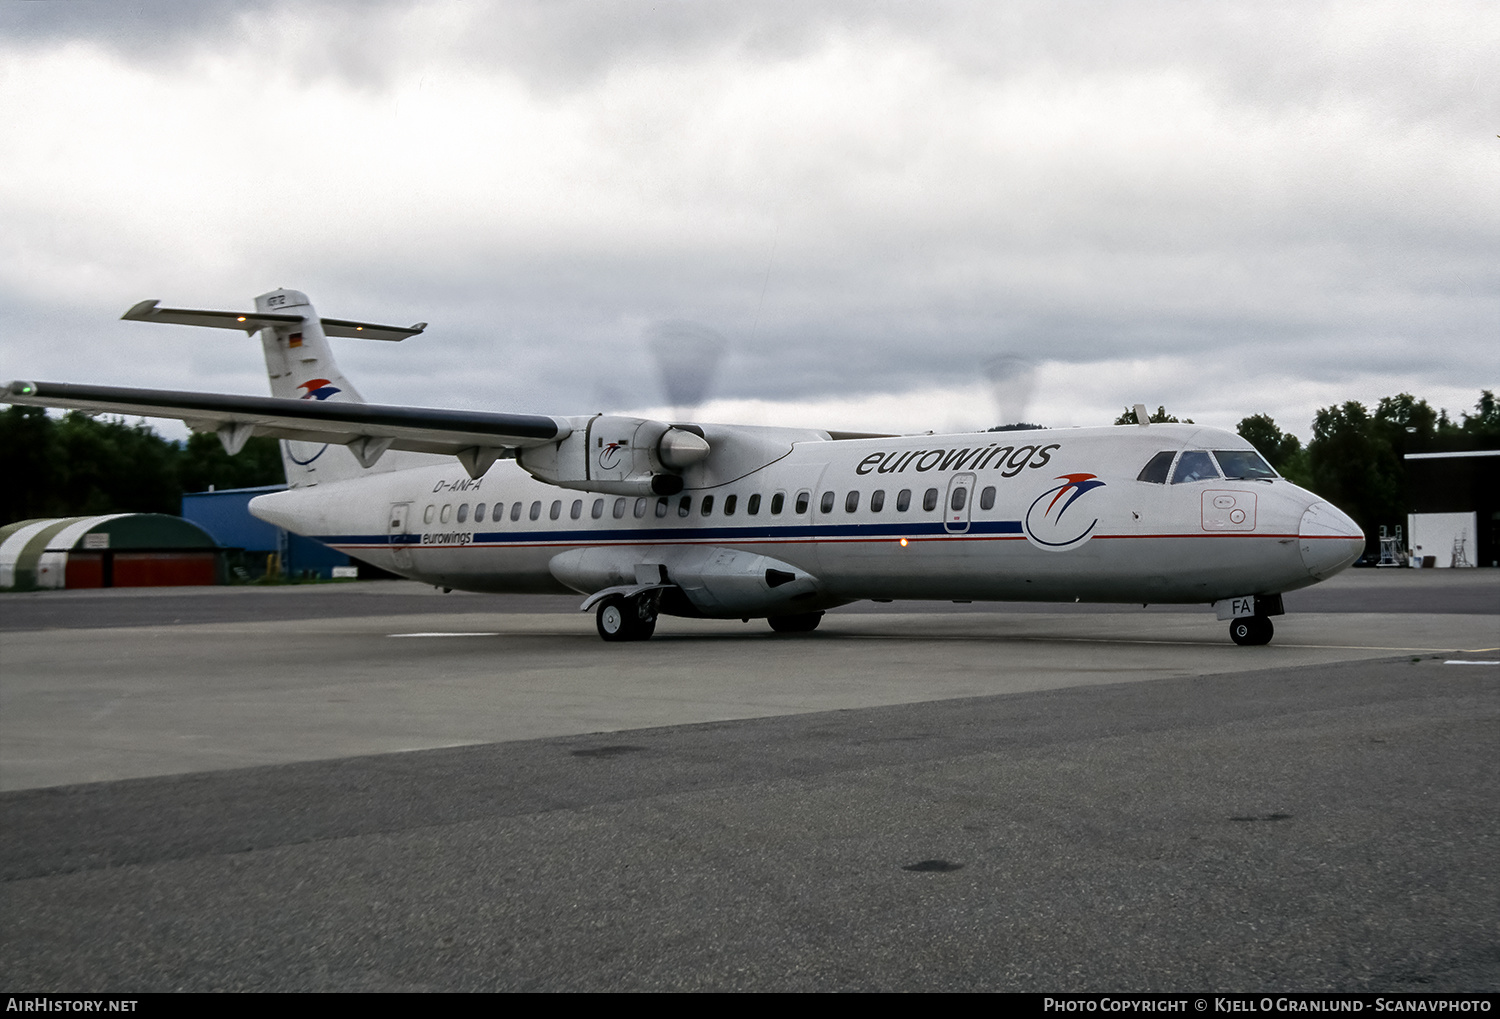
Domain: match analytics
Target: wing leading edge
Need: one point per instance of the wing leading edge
(472, 436)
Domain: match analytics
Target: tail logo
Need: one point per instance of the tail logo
(318, 389)
(1048, 524)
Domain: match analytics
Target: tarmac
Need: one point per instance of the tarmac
(380, 787)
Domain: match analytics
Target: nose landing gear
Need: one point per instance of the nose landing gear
(1251, 630)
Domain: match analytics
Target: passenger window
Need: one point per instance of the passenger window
(515, 512)
(708, 505)
(851, 502)
(640, 508)
(661, 506)
(619, 507)
(777, 501)
(577, 510)
(960, 496)
(536, 510)
(903, 500)
(1156, 468)
(987, 498)
(753, 506)
(598, 510)
(877, 500)
(463, 513)
(1243, 464)
(929, 499)
(827, 503)
(556, 509)
(446, 513)
(479, 514)
(1194, 465)
(684, 505)
(729, 501)
(804, 499)
(427, 514)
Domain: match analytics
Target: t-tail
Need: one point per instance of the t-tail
(301, 366)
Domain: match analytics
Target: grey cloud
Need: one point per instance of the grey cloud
(1255, 263)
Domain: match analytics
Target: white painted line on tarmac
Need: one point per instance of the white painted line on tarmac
(1176, 643)
(444, 634)
(1467, 661)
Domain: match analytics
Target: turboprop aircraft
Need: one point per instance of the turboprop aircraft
(648, 517)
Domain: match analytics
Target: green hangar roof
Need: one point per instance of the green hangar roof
(35, 553)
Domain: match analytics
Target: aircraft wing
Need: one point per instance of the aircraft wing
(357, 425)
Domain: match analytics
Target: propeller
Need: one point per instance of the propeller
(687, 356)
(1012, 380)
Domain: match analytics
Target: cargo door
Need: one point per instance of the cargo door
(396, 535)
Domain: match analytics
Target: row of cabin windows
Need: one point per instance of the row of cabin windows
(729, 507)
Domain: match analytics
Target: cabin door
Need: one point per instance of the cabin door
(956, 508)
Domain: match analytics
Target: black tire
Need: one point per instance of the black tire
(619, 618)
(1250, 631)
(802, 622)
(612, 620)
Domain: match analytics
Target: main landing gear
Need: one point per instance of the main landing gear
(1251, 630)
(622, 618)
(802, 622)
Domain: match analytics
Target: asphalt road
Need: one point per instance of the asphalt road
(941, 802)
(1387, 591)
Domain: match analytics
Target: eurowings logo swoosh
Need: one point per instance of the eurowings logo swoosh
(318, 389)
(1048, 524)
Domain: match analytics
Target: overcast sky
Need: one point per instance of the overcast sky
(1224, 208)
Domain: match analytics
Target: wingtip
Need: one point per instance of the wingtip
(141, 311)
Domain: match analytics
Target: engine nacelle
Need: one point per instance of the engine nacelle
(619, 455)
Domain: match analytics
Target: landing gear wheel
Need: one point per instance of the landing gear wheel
(1251, 630)
(621, 618)
(803, 622)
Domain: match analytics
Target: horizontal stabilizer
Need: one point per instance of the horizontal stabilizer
(365, 425)
(252, 321)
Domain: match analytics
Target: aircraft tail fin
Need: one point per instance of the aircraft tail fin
(301, 366)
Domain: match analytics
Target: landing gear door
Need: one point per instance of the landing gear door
(956, 506)
(396, 535)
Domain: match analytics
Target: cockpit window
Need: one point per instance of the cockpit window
(1243, 464)
(1194, 465)
(1155, 471)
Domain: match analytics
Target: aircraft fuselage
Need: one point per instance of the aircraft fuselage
(1044, 515)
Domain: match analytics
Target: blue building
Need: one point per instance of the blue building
(226, 515)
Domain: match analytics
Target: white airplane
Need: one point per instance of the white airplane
(727, 521)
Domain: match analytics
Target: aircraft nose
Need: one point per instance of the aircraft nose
(1329, 540)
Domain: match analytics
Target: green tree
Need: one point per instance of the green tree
(1351, 464)
(115, 467)
(1485, 424)
(1161, 417)
(31, 463)
(80, 465)
(1282, 450)
(203, 463)
(1407, 425)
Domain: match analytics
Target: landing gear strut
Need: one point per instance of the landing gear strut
(1251, 630)
(621, 618)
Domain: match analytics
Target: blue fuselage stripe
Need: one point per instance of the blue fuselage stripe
(589, 535)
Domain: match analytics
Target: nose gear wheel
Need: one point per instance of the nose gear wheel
(1251, 630)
